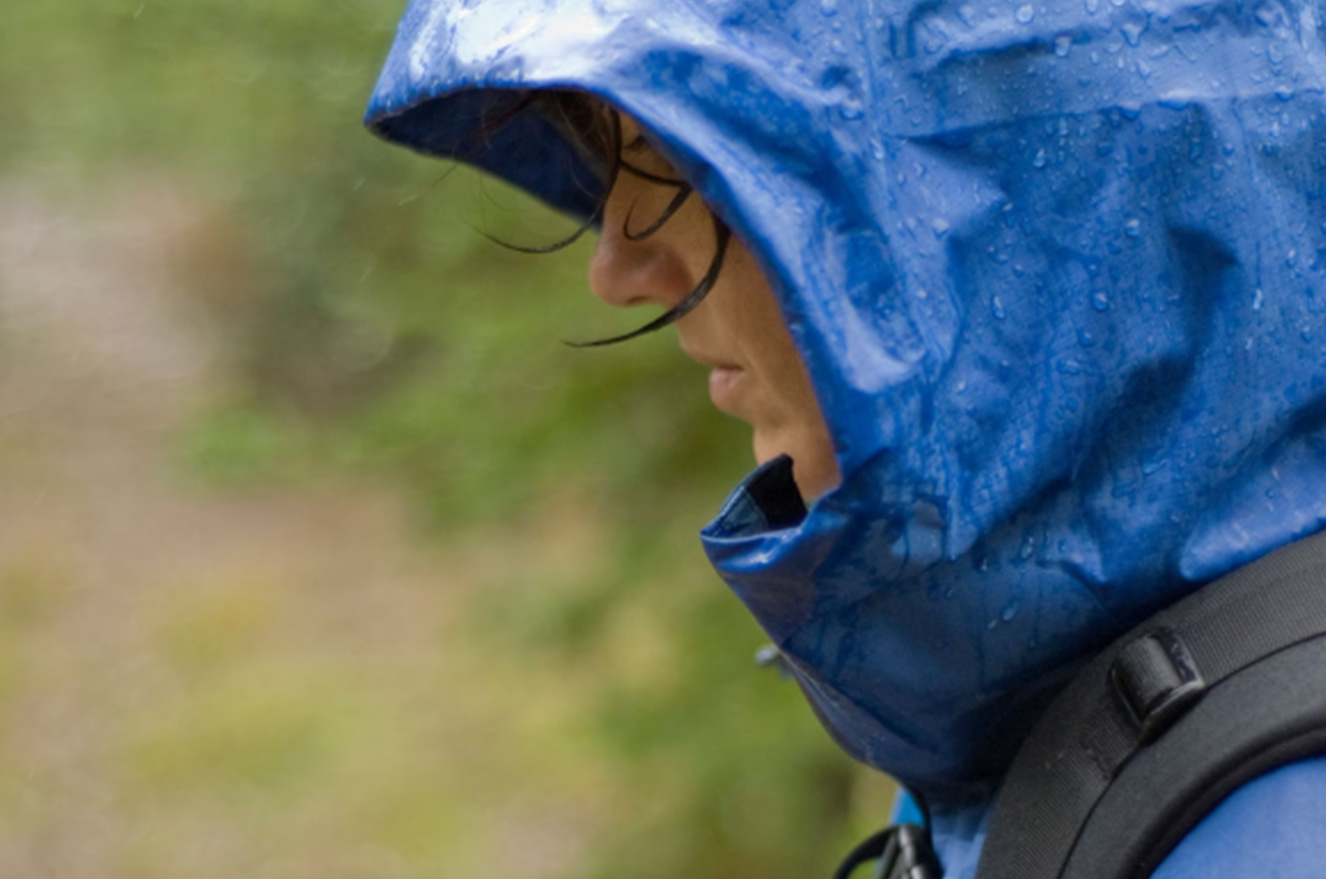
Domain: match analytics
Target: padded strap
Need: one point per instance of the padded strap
(1165, 722)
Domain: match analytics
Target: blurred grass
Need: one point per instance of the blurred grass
(586, 686)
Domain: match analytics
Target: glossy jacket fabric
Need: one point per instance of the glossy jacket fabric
(1056, 268)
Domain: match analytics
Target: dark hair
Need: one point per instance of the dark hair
(595, 130)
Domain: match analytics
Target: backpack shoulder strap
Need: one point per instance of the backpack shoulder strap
(1155, 731)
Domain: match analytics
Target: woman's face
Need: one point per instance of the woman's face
(738, 332)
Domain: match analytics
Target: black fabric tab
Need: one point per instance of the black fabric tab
(1157, 679)
(775, 492)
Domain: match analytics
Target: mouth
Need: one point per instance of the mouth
(725, 379)
(725, 383)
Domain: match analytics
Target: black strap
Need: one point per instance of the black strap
(900, 852)
(1153, 732)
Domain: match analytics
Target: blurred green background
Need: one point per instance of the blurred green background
(320, 556)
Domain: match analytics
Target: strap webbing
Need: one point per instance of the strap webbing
(1092, 731)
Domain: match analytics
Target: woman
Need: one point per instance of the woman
(1022, 301)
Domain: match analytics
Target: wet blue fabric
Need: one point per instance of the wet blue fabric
(1056, 269)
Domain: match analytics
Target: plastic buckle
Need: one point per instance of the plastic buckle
(1157, 680)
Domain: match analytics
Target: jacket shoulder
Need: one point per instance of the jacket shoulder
(1271, 826)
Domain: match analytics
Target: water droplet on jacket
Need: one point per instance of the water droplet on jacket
(1085, 339)
(1025, 13)
(967, 13)
(1062, 44)
(1266, 15)
(1092, 6)
(1132, 32)
(1068, 367)
(1010, 611)
(1291, 258)
(997, 308)
(1028, 548)
(877, 150)
(1100, 301)
(851, 109)
(1257, 299)
(940, 227)
(829, 7)
(1133, 228)
(1039, 160)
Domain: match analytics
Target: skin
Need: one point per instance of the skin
(756, 373)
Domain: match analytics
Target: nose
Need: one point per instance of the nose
(625, 272)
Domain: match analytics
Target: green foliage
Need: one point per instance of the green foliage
(374, 333)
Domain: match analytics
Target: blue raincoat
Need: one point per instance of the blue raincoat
(1058, 271)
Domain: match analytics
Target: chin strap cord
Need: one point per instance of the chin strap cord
(902, 851)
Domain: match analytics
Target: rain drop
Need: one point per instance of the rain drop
(829, 7)
(1257, 299)
(1133, 228)
(1100, 301)
(1039, 160)
(1132, 32)
(1085, 338)
(997, 308)
(940, 227)
(1092, 6)
(1062, 44)
(1010, 611)
(1025, 13)
(851, 109)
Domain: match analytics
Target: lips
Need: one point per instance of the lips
(725, 387)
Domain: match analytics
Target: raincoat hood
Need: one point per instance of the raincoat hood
(1056, 270)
